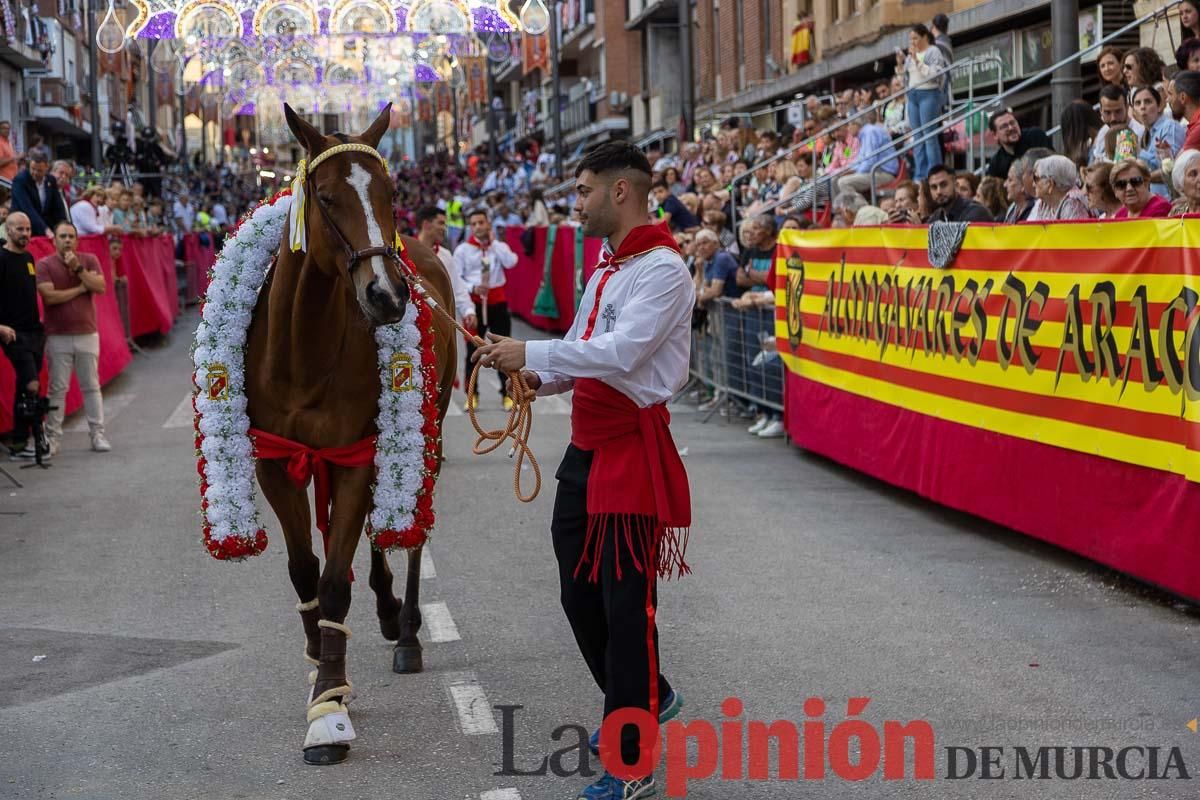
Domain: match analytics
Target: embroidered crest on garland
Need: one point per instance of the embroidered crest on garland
(406, 449)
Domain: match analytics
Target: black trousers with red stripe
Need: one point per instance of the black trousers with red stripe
(608, 616)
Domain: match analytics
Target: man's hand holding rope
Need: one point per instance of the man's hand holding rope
(506, 355)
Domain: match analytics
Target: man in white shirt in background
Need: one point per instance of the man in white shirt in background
(623, 500)
(431, 232)
(481, 262)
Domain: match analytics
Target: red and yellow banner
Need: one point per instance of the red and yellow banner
(1081, 336)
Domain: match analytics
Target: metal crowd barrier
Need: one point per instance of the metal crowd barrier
(734, 356)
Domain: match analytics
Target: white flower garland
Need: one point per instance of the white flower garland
(406, 448)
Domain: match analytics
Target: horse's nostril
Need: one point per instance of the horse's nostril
(381, 300)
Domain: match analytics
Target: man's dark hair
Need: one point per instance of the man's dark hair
(1111, 91)
(612, 156)
(920, 30)
(941, 22)
(39, 155)
(937, 169)
(997, 116)
(1188, 83)
(69, 224)
(475, 212)
(427, 214)
(660, 185)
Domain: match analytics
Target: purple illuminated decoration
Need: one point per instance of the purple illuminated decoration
(426, 74)
(248, 26)
(160, 26)
(323, 14)
(401, 17)
(246, 110)
(488, 20)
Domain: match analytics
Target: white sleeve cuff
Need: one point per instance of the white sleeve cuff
(537, 356)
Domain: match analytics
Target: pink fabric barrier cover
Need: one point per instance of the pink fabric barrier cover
(199, 259)
(114, 352)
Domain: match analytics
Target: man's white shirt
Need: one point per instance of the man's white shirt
(642, 336)
(469, 260)
(463, 304)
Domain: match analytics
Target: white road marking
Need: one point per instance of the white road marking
(474, 710)
(427, 570)
(113, 405)
(501, 794)
(181, 417)
(360, 180)
(439, 623)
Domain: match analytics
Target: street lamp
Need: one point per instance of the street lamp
(536, 21)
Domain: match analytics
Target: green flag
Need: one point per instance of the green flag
(543, 303)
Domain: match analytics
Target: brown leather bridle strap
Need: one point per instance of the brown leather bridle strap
(352, 256)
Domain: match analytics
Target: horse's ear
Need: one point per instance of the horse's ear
(306, 134)
(374, 134)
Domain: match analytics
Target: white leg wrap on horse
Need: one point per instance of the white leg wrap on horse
(337, 626)
(338, 691)
(328, 723)
(311, 660)
(309, 606)
(312, 687)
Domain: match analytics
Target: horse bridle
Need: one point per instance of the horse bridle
(352, 256)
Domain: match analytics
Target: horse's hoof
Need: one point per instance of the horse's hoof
(325, 754)
(406, 659)
(390, 627)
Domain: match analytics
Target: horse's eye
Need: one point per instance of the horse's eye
(326, 198)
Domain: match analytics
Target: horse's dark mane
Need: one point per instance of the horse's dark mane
(341, 137)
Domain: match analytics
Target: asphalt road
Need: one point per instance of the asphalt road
(136, 666)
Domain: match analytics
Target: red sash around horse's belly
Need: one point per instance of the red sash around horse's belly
(305, 463)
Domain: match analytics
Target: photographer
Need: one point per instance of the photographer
(21, 335)
(66, 282)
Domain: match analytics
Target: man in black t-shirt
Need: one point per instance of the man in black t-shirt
(21, 334)
(1013, 142)
(672, 210)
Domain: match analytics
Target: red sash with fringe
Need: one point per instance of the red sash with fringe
(637, 479)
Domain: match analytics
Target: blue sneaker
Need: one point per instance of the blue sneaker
(670, 710)
(610, 788)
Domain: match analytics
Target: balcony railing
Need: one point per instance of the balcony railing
(578, 113)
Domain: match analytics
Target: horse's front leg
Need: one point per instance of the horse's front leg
(406, 657)
(290, 505)
(329, 729)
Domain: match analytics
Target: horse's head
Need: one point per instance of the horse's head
(348, 217)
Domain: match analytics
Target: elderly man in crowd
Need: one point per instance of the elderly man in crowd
(1055, 180)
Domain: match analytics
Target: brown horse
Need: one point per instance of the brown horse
(312, 377)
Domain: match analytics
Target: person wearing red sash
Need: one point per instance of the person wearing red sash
(623, 506)
(481, 262)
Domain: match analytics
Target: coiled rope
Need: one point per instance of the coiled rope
(520, 417)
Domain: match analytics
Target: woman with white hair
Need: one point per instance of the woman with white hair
(1054, 181)
(1185, 176)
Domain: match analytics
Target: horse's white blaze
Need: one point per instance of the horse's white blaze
(360, 180)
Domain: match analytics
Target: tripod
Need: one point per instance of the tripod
(29, 415)
(119, 167)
